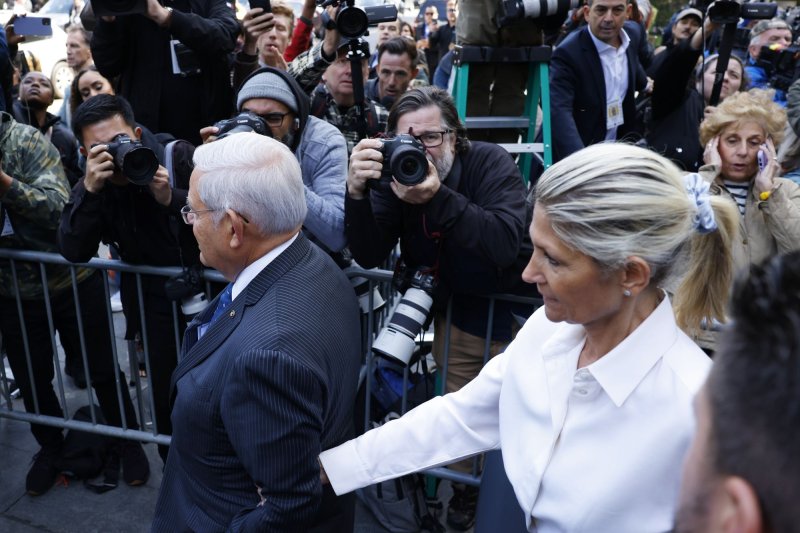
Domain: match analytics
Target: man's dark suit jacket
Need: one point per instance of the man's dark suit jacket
(578, 93)
(270, 385)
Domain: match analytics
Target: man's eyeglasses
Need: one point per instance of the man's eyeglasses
(451, 10)
(190, 215)
(429, 13)
(432, 139)
(274, 119)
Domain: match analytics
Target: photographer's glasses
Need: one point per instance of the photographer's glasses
(432, 139)
(189, 215)
(274, 119)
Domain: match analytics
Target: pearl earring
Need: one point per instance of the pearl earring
(626, 292)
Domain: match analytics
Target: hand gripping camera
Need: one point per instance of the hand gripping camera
(404, 158)
(137, 162)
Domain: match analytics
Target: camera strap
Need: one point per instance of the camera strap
(725, 48)
(438, 239)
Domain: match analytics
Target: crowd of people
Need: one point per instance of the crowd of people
(266, 148)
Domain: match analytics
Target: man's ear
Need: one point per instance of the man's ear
(636, 274)
(236, 232)
(586, 9)
(414, 73)
(739, 509)
(83, 151)
(138, 132)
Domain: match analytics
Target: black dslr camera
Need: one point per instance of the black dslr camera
(187, 288)
(780, 64)
(137, 162)
(729, 11)
(404, 158)
(242, 123)
(353, 22)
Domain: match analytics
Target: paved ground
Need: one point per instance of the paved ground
(74, 508)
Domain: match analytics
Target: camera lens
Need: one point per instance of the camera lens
(139, 164)
(352, 22)
(409, 165)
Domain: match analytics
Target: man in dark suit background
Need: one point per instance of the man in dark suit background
(594, 74)
(268, 373)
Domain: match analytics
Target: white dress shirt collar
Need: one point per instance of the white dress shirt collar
(637, 354)
(254, 269)
(603, 46)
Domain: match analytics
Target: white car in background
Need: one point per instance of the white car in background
(52, 55)
(50, 51)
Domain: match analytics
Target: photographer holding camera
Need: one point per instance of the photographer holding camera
(463, 216)
(127, 199)
(775, 34)
(275, 97)
(172, 60)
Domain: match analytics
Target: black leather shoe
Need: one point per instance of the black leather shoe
(43, 471)
(461, 509)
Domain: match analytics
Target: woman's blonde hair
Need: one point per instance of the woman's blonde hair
(612, 201)
(755, 105)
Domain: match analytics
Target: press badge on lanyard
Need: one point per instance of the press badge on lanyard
(613, 115)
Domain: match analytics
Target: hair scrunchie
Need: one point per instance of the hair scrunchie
(698, 191)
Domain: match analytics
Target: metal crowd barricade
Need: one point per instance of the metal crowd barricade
(7, 409)
(372, 322)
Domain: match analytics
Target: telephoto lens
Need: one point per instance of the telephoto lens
(397, 339)
(514, 10)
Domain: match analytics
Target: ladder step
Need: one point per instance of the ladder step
(497, 122)
(522, 148)
(487, 54)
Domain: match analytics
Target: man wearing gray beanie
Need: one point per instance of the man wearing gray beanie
(319, 147)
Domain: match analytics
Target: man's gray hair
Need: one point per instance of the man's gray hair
(256, 176)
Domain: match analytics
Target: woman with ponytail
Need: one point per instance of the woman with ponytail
(591, 404)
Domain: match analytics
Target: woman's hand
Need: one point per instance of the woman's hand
(711, 153)
(765, 179)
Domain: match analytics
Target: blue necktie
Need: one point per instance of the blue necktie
(223, 302)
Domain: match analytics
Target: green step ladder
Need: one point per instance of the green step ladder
(538, 95)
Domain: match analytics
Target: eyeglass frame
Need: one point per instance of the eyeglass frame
(441, 135)
(274, 116)
(187, 210)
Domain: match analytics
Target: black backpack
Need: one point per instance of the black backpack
(398, 504)
(83, 454)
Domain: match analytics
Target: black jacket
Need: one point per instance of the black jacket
(578, 93)
(143, 231)
(474, 228)
(138, 51)
(673, 127)
(60, 136)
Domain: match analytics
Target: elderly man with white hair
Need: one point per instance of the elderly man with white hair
(268, 372)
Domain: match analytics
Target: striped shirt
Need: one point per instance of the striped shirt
(739, 192)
